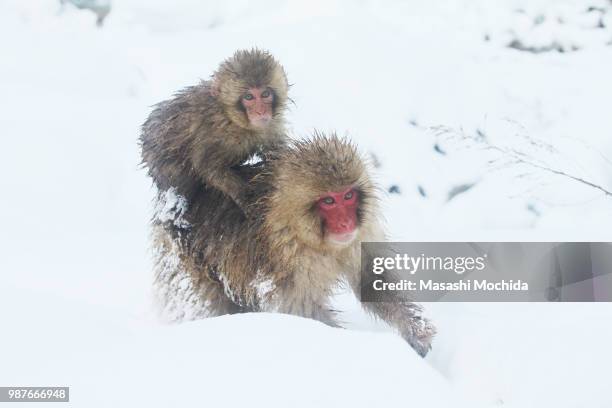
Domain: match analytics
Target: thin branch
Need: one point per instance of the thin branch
(575, 178)
(516, 156)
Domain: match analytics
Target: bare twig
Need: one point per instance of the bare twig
(511, 155)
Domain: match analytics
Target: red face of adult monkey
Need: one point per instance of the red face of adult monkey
(314, 204)
(338, 210)
(323, 195)
(197, 139)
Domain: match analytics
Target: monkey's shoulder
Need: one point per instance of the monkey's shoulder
(196, 99)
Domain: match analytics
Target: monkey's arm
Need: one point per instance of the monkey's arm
(227, 180)
(213, 164)
(292, 299)
(311, 310)
(405, 316)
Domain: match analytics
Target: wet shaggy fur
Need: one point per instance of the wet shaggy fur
(198, 137)
(212, 261)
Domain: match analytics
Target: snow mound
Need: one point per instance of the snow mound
(272, 360)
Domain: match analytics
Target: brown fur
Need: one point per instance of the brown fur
(198, 138)
(281, 260)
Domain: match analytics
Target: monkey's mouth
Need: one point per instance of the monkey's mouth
(342, 239)
(260, 121)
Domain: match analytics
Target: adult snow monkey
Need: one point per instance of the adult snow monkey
(313, 204)
(198, 137)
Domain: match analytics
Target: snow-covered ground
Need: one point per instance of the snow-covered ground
(446, 95)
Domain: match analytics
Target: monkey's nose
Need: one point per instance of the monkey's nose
(346, 225)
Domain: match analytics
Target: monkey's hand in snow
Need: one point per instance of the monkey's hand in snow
(419, 333)
(406, 317)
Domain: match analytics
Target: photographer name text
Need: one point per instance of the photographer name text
(464, 285)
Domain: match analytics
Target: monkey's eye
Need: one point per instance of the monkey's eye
(349, 195)
(328, 200)
(266, 93)
(248, 97)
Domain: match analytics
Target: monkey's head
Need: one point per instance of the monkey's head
(322, 196)
(252, 88)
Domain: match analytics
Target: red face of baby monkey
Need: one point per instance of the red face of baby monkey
(339, 212)
(259, 105)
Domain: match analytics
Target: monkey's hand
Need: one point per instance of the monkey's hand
(406, 318)
(242, 201)
(306, 307)
(245, 201)
(248, 202)
(229, 182)
(419, 333)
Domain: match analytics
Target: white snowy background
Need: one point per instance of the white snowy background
(475, 96)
